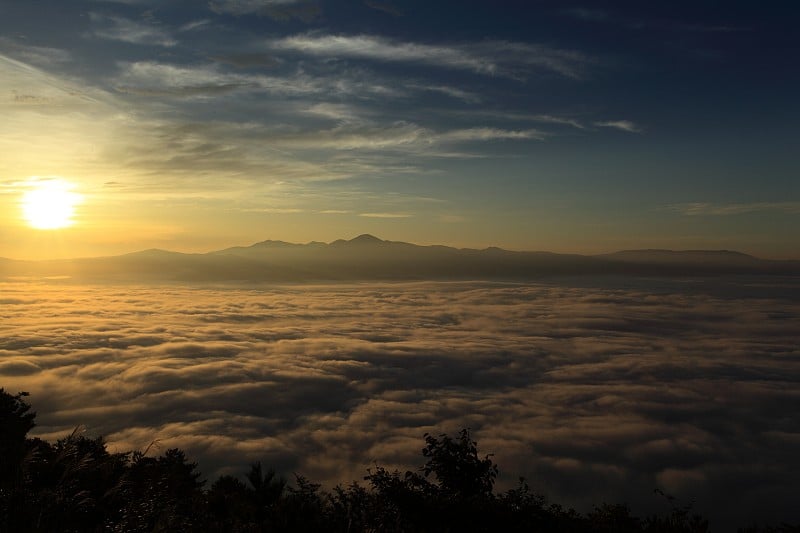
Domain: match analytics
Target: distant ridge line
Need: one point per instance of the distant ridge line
(367, 257)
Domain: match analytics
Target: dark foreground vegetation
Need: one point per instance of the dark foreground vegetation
(75, 484)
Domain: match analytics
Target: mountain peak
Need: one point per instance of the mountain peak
(270, 242)
(152, 252)
(365, 238)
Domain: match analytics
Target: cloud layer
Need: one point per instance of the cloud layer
(593, 393)
(494, 58)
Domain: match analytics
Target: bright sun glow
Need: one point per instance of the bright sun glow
(49, 204)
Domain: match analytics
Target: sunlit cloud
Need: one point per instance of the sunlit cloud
(495, 58)
(151, 78)
(400, 136)
(158, 79)
(69, 114)
(278, 210)
(385, 215)
(39, 55)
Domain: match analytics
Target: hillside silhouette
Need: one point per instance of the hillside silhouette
(367, 257)
(75, 484)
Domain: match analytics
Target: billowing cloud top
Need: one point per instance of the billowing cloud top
(593, 392)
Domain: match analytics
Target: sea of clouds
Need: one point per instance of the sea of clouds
(593, 390)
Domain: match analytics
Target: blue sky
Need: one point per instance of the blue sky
(580, 127)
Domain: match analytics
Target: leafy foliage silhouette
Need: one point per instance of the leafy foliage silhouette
(76, 485)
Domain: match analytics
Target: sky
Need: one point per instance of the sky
(572, 127)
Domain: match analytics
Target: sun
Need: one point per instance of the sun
(50, 204)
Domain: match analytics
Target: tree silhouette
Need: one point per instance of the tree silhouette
(457, 467)
(16, 421)
(267, 485)
(161, 494)
(75, 484)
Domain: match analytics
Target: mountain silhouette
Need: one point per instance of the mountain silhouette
(367, 257)
(362, 239)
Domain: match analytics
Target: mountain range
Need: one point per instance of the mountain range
(369, 258)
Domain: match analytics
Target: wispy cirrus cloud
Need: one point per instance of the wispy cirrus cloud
(306, 10)
(702, 208)
(337, 112)
(195, 25)
(493, 58)
(403, 136)
(386, 7)
(149, 78)
(551, 119)
(489, 134)
(130, 31)
(152, 78)
(508, 116)
(454, 92)
(275, 210)
(45, 56)
(622, 125)
(296, 144)
(385, 215)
